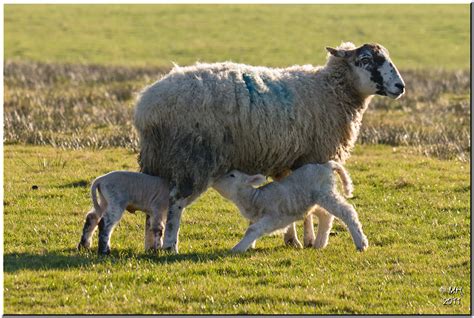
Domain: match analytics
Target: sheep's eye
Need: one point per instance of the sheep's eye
(232, 175)
(365, 60)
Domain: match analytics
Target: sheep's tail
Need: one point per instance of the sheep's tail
(94, 188)
(345, 178)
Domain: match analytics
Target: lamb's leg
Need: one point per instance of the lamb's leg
(157, 226)
(337, 206)
(263, 226)
(290, 237)
(324, 227)
(149, 236)
(112, 215)
(308, 237)
(92, 219)
(252, 246)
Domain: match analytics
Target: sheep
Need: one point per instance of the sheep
(198, 122)
(278, 204)
(131, 191)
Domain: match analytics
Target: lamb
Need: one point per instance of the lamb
(278, 204)
(199, 122)
(131, 191)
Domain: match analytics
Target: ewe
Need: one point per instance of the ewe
(199, 122)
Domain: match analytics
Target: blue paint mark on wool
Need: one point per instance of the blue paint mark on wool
(280, 92)
(250, 87)
(272, 93)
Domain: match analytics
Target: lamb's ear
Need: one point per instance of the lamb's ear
(340, 53)
(256, 180)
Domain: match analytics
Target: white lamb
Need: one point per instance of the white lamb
(131, 191)
(278, 204)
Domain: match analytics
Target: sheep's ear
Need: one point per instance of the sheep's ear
(256, 180)
(340, 53)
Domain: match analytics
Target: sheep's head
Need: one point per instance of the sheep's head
(229, 184)
(372, 65)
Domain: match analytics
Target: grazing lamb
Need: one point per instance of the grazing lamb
(198, 122)
(131, 191)
(278, 204)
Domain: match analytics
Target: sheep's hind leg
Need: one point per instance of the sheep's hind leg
(324, 228)
(291, 238)
(92, 219)
(337, 206)
(308, 236)
(106, 227)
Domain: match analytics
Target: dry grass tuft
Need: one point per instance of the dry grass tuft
(77, 106)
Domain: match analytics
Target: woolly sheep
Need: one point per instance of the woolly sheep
(198, 122)
(131, 191)
(278, 204)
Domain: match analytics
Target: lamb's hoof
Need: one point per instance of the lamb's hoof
(319, 245)
(293, 242)
(362, 247)
(237, 250)
(308, 243)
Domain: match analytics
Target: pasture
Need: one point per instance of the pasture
(68, 109)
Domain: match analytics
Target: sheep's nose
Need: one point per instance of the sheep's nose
(400, 86)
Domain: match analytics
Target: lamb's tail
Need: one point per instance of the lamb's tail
(94, 188)
(345, 178)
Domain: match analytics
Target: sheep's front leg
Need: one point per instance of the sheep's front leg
(172, 225)
(263, 226)
(337, 206)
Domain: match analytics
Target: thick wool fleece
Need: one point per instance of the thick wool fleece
(199, 122)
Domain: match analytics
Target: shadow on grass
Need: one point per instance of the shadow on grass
(76, 184)
(71, 258)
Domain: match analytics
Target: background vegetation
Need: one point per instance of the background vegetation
(418, 36)
(68, 105)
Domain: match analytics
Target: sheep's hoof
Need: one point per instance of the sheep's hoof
(172, 249)
(363, 246)
(319, 245)
(104, 251)
(293, 242)
(237, 250)
(83, 246)
(308, 243)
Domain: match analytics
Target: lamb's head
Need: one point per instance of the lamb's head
(232, 182)
(375, 72)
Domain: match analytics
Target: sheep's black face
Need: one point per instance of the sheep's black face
(376, 72)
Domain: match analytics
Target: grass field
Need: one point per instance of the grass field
(415, 212)
(68, 109)
(418, 36)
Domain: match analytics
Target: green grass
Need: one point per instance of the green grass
(414, 209)
(418, 36)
